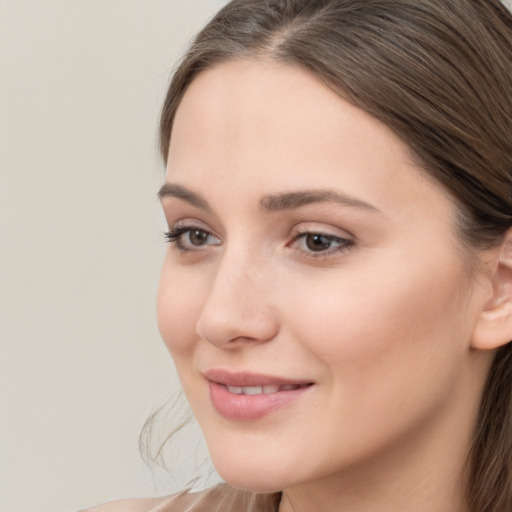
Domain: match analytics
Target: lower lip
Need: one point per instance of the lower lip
(251, 407)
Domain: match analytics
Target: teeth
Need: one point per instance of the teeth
(258, 390)
(252, 390)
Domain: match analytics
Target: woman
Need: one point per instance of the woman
(337, 292)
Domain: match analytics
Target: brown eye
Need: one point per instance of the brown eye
(191, 238)
(198, 237)
(317, 242)
(321, 244)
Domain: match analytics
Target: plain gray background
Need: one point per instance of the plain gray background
(81, 361)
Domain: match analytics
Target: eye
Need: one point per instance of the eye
(190, 238)
(316, 242)
(320, 244)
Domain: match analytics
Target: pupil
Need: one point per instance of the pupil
(198, 237)
(317, 242)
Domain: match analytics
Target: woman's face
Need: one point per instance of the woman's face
(314, 295)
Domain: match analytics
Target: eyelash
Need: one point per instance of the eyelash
(175, 235)
(344, 244)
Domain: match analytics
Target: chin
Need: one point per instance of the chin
(246, 475)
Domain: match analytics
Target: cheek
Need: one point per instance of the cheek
(386, 342)
(399, 325)
(178, 308)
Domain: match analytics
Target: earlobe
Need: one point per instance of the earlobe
(494, 326)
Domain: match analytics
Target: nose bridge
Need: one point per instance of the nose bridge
(239, 305)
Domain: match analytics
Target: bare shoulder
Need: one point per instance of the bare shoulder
(133, 505)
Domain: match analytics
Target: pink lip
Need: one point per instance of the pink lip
(250, 407)
(249, 379)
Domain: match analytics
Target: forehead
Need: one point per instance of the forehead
(256, 102)
(275, 127)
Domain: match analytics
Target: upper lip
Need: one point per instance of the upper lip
(243, 379)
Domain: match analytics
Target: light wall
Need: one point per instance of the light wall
(81, 361)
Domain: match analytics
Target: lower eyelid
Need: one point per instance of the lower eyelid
(329, 253)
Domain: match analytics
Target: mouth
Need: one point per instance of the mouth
(249, 396)
(267, 389)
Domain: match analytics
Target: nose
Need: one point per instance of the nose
(238, 309)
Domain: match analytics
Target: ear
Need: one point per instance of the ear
(494, 325)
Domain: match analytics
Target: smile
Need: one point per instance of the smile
(263, 390)
(248, 396)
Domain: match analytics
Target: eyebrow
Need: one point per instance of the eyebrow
(172, 190)
(274, 202)
(291, 200)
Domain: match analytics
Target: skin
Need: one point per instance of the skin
(384, 327)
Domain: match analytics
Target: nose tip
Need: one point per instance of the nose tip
(226, 328)
(237, 310)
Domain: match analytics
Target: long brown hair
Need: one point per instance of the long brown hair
(439, 74)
